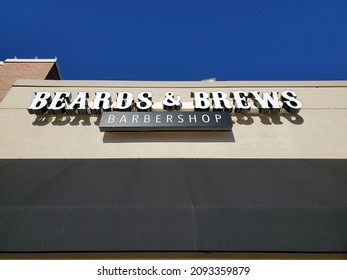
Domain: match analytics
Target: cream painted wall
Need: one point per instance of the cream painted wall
(320, 130)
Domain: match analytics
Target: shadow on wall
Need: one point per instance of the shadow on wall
(169, 136)
(166, 136)
(242, 119)
(269, 119)
(62, 120)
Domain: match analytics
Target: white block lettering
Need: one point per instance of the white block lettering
(111, 119)
(146, 118)
(205, 118)
(217, 117)
(201, 101)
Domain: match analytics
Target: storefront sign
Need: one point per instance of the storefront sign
(123, 111)
(168, 121)
(240, 102)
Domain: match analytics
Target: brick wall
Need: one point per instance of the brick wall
(11, 71)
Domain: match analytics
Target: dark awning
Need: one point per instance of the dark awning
(230, 205)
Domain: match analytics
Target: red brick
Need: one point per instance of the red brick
(11, 71)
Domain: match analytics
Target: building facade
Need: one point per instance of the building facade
(274, 181)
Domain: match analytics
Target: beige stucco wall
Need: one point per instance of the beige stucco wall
(320, 130)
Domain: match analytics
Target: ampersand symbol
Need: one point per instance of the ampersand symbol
(170, 102)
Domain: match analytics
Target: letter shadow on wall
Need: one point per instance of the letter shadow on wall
(128, 137)
(62, 120)
(248, 119)
(169, 136)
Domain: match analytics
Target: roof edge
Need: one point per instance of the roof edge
(176, 84)
(30, 60)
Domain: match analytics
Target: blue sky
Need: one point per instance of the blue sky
(181, 40)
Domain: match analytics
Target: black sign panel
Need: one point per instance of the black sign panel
(161, 121)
